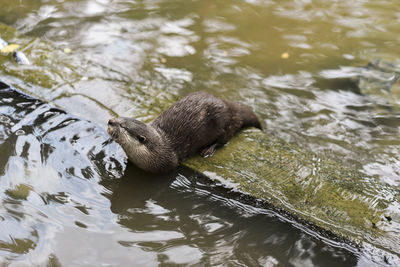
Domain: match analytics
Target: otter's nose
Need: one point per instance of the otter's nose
(112, 122)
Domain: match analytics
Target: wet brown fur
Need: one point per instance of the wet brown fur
(197, 122)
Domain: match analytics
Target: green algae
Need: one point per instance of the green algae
(311, 187)
(21, 191)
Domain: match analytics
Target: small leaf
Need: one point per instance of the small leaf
(9, 48)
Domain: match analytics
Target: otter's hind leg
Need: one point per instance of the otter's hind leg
(225, 134)
(209, 150)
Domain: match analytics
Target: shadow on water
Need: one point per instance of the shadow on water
(215, 226)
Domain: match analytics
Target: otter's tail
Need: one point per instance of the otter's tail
(249, 118)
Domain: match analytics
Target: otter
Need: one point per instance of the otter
(198, 122)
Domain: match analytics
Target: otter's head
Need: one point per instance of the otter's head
(141, 142)
(128, 131)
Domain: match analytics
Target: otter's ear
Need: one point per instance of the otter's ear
(141, 138)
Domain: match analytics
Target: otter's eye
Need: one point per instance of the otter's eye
(141, 138)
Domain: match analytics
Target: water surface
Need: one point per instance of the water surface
(271, 55)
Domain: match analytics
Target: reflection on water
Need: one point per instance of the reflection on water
(291, 61)
(189, 219)
(50, 167)
(61, 201)
(235, 51)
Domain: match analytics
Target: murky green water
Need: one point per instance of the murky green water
(283, 58)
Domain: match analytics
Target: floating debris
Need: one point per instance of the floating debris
(9, 48)
(67, 50)
(21, 58)
(3, 43)
(285, 55)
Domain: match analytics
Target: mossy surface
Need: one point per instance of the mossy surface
(309, 186)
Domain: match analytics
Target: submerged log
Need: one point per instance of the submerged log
(309, 186)
(378, 75)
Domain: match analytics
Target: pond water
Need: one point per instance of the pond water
(72, 205)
